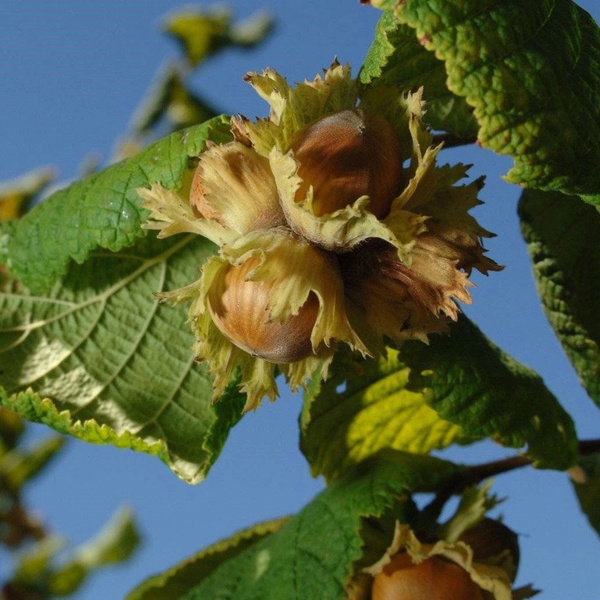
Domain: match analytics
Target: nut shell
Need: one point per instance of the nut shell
(240, 309)
(432, 579)
(347, 155)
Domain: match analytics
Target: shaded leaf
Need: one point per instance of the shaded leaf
(176, 581)
(586, 481)
(99, 358)
(101, 211)
(562, 238)
(397, 59)
(114, 544)
(205, 32)
(471, 382)
(16, 196)
(312, 556)
(531, 71)
(375, 410)
(19, 465)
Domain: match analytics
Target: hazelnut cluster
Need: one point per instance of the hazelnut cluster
(334, 225)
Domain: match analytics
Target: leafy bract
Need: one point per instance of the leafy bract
(99, 358)
(562, 237)
(375, 410)
(471, 382)
(312, 555)
(397, 59)
(203, 33)
(101, 211)
(531, 71)
(586, 481)
(177, 580)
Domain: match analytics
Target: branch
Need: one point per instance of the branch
(452, 141)
(478, 473)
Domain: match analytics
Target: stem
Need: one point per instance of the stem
(477, 473)
(452, 141)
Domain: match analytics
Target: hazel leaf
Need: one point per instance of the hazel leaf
(116, 542)
(458, 389)
(102, 210)
(16, 196)
(471, 382)
(531, 72)
(375, 410)
(98, 357)
(203, 33)
(562, 235)
(313, 554)
(585, 477)
(177, 580)
(397, 59)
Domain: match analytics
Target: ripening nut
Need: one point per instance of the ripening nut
(334, 226)
(432, 579)
(239, 307)
(493, 542)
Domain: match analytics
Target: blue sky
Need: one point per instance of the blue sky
(72, 74)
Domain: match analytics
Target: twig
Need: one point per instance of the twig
(452, 141)
(478, 473)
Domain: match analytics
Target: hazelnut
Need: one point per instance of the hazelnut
(347, 155)
(240, 309)
(490, 539)
(433, 579)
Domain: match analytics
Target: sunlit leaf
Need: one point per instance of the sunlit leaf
(101, 211)
(531, 72)
(364, 407)
(471, 382)
(458, 389)
(99, 358)
(562, 237)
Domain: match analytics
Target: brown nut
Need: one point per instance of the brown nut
(432, 579)
(347, 155)
(240, 309)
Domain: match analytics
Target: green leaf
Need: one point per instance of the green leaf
(471, 382)
(99, 358)
(114, 544)
(18, 466)
(562, 238)
(176, 581)
(204, 33)
(16, 196)
(101, 211)
(397, 59)
(586, 481)
(312, 556)
(169, 97)
(375, 411)
(531, 71)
